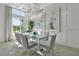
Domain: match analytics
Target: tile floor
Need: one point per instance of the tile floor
(11, 49)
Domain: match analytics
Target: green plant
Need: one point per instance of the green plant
(30, 25)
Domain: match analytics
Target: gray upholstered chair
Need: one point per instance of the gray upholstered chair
(48, 44)
(28, 44)
(18, 37)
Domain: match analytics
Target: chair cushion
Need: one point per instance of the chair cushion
(44, 42)
(32, 44)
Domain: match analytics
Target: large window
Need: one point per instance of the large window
(17, 20)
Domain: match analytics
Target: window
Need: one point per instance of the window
(17, 20)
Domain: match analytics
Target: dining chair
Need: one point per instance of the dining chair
(28, 44)
(48, 44)
(18, 37)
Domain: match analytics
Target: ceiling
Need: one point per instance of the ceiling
(28, 7)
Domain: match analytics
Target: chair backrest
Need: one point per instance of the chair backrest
(18, 37)
(25, 41)
(51, 41)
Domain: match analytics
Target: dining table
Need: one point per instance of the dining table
(38, 38)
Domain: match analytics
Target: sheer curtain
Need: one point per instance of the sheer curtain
(8, 23)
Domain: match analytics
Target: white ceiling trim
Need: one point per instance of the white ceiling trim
(16, 7)
(29, 8)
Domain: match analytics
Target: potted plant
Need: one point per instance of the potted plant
(30, 25)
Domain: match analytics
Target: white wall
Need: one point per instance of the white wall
(69, 34)
(8, 23)
(73, 25)
(2, 23)
(5, 24)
